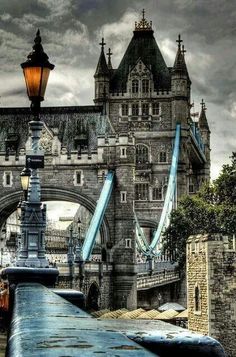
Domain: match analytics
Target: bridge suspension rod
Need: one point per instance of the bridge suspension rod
(97, 218)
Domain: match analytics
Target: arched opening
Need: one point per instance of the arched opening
(104, 255)
(56, 237)
(93, 297)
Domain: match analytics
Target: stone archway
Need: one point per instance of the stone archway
(9, 202)
(93, 297)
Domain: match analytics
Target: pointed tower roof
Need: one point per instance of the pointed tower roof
(142, 46)
(109, 54)
(202, 122)
(180, 64)
(102, 68)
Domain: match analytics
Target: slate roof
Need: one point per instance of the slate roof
(202, 122)
(69, 122)
(102, 68)
(142, 46)
(180, 64)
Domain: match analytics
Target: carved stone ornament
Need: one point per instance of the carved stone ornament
(46, 140)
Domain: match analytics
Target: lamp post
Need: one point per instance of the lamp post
(70, 256)
(33, 215)
(78, 248)
(78, 256)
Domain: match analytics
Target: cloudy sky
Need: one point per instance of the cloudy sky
(72, 29)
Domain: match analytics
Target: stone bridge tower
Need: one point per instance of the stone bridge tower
(147, 98)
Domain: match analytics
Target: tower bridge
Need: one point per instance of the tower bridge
(131, 132)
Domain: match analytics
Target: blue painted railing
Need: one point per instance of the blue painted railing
(197, 135)
(97, 218)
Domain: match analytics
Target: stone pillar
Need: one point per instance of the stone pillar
(124, 249)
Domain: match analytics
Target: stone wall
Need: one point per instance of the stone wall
(211, 266)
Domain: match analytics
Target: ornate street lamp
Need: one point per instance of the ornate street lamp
(70, 256)
(78, 248)
(36, 71)
(33, 217)
(25, 179)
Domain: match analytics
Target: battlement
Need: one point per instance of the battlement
(198, 244)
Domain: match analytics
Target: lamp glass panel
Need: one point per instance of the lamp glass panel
(25, 182)
(33, 80)
(45, 75)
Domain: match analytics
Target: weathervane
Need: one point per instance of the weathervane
(179, 41)
(102, 43)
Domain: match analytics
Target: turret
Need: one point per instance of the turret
(102, 78)
(180, 86)
(204, 130)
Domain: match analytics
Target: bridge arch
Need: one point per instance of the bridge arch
(9, 202)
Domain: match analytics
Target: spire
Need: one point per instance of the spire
(179, 64)
(203, 124)
(143, 24)
(102, 68)
(109, 54)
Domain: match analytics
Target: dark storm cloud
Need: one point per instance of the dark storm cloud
(71, 31)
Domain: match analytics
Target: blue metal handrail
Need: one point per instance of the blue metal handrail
(197, 135)
(97, 218)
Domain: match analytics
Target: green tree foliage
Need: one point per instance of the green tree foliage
(211, 210)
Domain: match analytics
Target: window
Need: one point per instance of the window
(191, 186)
(135, 109)
(197, 299)
(142, 191)
(145, 85)
(123, 197)
(78, 178)
(162, 156)
(155, 108)
(142, 155)
(123, 152)
(157, 194)
(135, 86)
(124, 109)
(7, 179)
(128, 243)
(145, 109)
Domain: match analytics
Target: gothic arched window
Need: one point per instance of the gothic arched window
(162, 156)
(135, 86)
(141, 191)
(155, 108)
(145, 85)
(142, 154)
(157, 194)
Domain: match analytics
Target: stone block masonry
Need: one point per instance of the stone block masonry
(211, 286)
